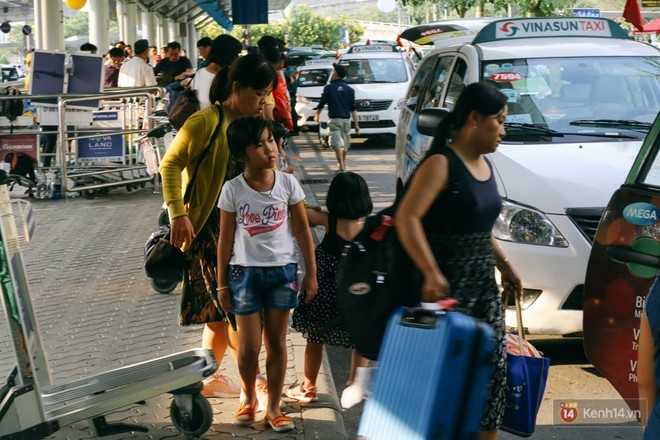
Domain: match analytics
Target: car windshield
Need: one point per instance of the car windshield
(375, 70)
(313, 77)
(580, 95)
(9, 74)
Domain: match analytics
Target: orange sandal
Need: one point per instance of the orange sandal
(245, 415)
(280, 423)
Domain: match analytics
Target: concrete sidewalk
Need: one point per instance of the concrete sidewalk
(97, 312)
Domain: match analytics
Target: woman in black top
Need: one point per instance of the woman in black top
(448, 234)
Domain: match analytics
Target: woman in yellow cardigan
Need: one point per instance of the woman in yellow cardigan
(238, 91)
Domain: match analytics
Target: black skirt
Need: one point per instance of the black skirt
(468, 263)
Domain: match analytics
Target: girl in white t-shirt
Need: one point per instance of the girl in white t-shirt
(261, 211)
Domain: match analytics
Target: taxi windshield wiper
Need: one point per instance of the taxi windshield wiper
(623, 123)
(515, 126)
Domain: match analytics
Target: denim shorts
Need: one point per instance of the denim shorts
(256, 288)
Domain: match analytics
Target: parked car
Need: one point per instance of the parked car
(11, 73)
(624, 261)
(582, 97)
(379, 74)
(312, 77)
(297, 58)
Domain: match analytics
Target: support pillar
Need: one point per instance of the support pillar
(53, 33)
(163, 32)
(121, 19)
(131, 22)
(99, 14)
(173, 31)
(148, 20)
(38, 31)
(191, 40)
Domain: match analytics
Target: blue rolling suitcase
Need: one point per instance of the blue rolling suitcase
(433, 369)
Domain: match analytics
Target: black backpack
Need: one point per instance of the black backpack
(376, 276)
(21, 164)
(11, 108)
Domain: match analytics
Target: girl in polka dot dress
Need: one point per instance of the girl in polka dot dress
(348, 202)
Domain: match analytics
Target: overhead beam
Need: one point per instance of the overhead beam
(196, 16)
(158, 4)
(204, 22)
(175, 9)
(183, 14)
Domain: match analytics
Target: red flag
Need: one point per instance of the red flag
(398, 41)
(633, 14)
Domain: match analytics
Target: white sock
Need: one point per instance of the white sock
(358, 390)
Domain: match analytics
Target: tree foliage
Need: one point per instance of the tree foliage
(301, 28)
(528, 8)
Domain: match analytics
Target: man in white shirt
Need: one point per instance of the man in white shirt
(137, 72)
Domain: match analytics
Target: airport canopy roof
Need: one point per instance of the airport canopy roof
(178, 10)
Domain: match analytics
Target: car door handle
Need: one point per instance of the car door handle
(625, 254)
(409, 137)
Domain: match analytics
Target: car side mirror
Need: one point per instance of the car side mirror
(429, 118)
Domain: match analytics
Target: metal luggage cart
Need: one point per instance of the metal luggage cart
(32, 407)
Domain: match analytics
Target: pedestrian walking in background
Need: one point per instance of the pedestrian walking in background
(449, 237)
(261, 211)
(317, 317)
(240, 90)
(281, 136)
(137, 72)
(271, 48)
(224, 50)
(648, 364)
(291, 74)
(111, 69)
(173, 69)
(340, 98)
(204, 47)
(154, 56)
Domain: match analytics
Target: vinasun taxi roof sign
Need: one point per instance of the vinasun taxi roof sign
(372, 48)
(508, 29)
(486, 30)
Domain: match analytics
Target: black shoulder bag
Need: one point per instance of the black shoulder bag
(162, 260)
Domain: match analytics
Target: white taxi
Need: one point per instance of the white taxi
(312, 77)
(582, 97)
(379, 74)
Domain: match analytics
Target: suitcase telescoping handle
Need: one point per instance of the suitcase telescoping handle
(427, 314)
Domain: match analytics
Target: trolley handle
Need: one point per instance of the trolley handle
(157, 132)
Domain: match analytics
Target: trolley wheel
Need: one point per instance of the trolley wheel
(89, 194)
(200, 419)
(129, 187)
(162, 286)
(163, 218)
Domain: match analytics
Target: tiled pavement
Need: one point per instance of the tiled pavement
(97, 312)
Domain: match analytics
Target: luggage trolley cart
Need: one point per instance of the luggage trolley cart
(32, 407)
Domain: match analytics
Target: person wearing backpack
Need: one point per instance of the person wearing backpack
(239, 91)
(224, 50)
(317, 317)
(449, 238)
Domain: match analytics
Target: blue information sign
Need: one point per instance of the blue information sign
(101, 149)
(586, 12)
